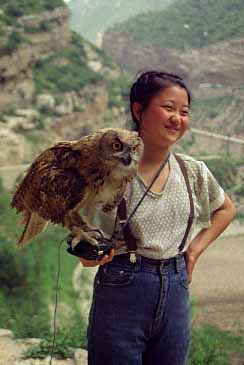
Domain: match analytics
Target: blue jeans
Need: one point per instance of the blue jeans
(139, 313)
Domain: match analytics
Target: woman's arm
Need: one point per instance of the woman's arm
(220, 219)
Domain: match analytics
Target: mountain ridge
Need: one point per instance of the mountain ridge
(98, 15)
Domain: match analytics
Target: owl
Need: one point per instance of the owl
(75, 176)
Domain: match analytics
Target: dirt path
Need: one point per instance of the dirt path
(218, 288)
(218, 284)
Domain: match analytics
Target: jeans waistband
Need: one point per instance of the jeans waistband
(143, 262)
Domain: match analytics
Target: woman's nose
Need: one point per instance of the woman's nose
(176, 118)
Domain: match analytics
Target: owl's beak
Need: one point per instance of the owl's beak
(126, 159)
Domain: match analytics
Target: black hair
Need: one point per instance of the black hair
(149, 84)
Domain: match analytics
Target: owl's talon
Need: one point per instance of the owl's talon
(96, 233)
(90, 240)
(76, 237)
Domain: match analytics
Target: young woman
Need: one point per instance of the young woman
(140, 311)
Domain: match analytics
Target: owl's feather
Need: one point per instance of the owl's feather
(33, 226)
(73, 175)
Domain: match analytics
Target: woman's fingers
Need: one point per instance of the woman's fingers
(102, 261)
(88, 263)
(107, 258)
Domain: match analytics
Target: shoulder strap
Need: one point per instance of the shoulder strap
(128, 236)
(191, 215)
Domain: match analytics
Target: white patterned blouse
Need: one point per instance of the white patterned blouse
(160, 222)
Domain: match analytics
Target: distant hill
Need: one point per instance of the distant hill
(187, 24)
(92, 17)
(201, 40)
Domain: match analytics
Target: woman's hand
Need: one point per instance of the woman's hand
(105, 259)
(190, 260)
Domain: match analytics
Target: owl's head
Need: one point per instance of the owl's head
(120, 148)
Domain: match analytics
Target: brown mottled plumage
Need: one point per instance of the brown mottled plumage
(89, 172)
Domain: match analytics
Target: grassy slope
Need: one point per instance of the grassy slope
(188, 23)
(75, 74)
(12, 9)
(28, 280)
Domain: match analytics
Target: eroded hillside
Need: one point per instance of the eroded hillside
(200, 40)
(54, 84)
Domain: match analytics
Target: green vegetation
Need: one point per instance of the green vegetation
(72, 74)
(215, 113)
(12, 44)
(188, 23)
(64, 344)
(118, 92)
(106, 60)
(225, 171)
(212, 346)
(44, 26)
(28, 282)
(16, 8)
(11, 10)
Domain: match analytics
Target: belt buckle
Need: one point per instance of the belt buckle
(132, 257)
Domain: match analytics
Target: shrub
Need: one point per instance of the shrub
(18, 8)
(12, 44)
(65, 342)
(118, 92)
(13, 272)
(49, 76)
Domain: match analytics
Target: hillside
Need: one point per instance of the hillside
(54, 84)
(203, 41)
(91, 18)
(187, 24)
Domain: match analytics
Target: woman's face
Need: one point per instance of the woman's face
(166, 118)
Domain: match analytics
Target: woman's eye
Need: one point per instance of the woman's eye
(168, 107)
(184, 113)
(117, 146)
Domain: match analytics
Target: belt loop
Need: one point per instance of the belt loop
(161, 266)
(138, 264)
(177, 269)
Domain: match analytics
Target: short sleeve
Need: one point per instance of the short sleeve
(211, 196)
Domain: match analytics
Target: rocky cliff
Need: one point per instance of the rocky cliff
(221, 63)
(53, 85)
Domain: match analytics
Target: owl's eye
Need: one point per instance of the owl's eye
(117, 146)
(134, 148)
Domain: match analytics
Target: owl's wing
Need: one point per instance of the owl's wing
(48, 190)
(60, 192)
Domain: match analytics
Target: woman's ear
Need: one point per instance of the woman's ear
(137, 110)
